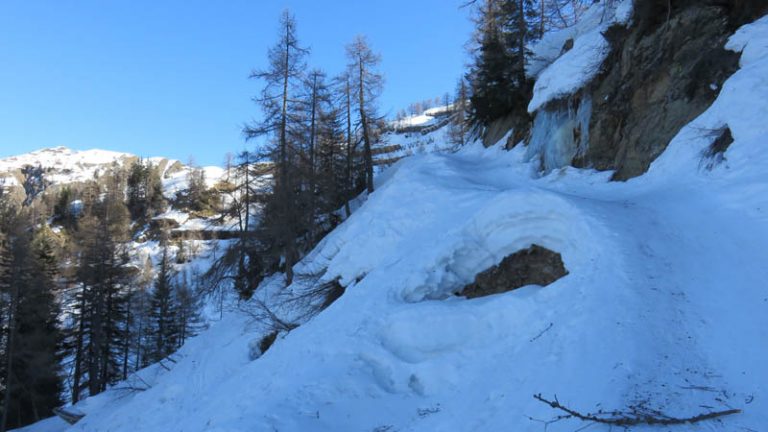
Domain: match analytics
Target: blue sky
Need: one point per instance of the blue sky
(169, 77)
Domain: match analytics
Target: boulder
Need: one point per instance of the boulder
(533, 266)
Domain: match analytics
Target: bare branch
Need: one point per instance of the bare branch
(634, 416)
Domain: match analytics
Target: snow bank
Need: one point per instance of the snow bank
(742, 106)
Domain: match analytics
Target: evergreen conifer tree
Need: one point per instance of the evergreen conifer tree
(499, 86)
(163, 320)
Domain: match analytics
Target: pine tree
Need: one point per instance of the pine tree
(197, 196)
(367, 83)
(322, 128)
(12, 383)
(63, 212)
(187, 305)
(331, 163)
(499, 84)
(163, 321)
(144, 191)
(458, 132)
(103, 276)
(8, 295)
(282, 220)
(32, 350)
(351, 186)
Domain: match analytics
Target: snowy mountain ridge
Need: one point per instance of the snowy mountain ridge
(65, 165)
(60, 166)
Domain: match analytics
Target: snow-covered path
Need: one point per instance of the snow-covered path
(699, 272)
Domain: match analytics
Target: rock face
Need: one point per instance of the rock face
(518, 123)
(660, 76)
(533, 266)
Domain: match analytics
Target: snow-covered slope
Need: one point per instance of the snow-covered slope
(427, 132)
(665, 305)
(63, 166)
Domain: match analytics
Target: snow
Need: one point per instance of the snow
(67, 165)
(439, 110)
(562, 75)
(414, 143)
(665, 301)
(428, 133)
(427, 118)
(8, 181)
(174, 215)
(572, 70)
(52, 424)
(62, 156)
(176, 182)
(623, 12)
(417, 120)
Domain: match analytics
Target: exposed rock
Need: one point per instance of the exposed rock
(518, 123)
(660, 76)
(258, 347)
(333, 291)
(170, 167)
(567, 46)
(533, 266)
(160, 223)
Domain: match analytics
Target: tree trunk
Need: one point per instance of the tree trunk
(313, 201)
(127, 339)
(283, 188)
(366, 133)
(79, 351)
(9, 348)
(350, 188)
(522, 28)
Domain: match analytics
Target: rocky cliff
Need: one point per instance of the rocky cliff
(662, 70)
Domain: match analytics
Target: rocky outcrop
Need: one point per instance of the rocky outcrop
(533, 266)
(518, 123)
(654, 85)
(662, 73)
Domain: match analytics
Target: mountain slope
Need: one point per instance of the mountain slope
(665, 305)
